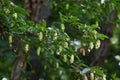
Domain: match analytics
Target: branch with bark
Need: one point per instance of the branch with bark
(20, 62)
(106, 28)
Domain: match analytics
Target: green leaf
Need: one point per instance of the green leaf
(101, 36)
(20, 10)
(43, 24)
(97, 70)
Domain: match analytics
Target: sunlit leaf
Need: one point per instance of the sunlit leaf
(85, 70)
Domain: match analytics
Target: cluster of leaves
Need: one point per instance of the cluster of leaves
(52, 44)
(84, 33)
(89, 13)
(82, 18)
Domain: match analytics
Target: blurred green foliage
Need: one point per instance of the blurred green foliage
(69, 20)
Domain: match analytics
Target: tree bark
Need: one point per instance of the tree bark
(19, 63)
(38, 9)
